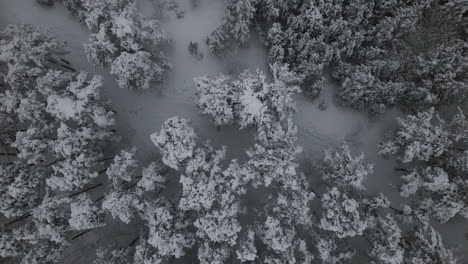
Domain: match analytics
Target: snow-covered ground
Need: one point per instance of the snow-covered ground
(140, 114)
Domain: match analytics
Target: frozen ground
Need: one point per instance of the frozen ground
(141, 114)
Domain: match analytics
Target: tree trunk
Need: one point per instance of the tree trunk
(130, 186)
(105, 159)
(7, 154)
(19, 219)
(102, 171)
(85, 190)
(318, 195)
(396, 210)
(53, 162)
(13, 131)
(134, 241)
(402, 169)
(64, 60)
(80, 234)
(68, 67)
(111, 110)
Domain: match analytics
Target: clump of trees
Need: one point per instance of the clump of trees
(432, 152)
(287, 224)
(50, 116)
(393, 235)
(124, 40)
(53, 133)
(383, 54)
(250, 100)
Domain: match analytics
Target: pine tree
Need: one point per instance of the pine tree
(84, 214)
(418, 138)
(123, 39)
(236, 26)
(343, 170)
(176, 141)
(424, 244)
(250, 100)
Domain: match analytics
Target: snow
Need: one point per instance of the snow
(141, 114)
(252, 105)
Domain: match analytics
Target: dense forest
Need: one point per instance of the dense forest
(69, 171)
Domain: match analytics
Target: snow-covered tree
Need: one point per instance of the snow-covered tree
(28, 50)
(418, 137)
(75, 97)
(276, 236)
(79, 153)
(210, 253)
(213, 194)
(33, 144)
(199, 180)
(442, 197)
(431, 145)
(342, 214)
(136, 70)
(329, 251)
(124, 167)
(65, 122)
(85, 214)
(361, 89)
(123, 39)
(340, 168)
(424, 245)
(24, 245)
(176, 141)
(375, 50)
(20, 189)
(168, 229)
(235, 30)
(151, 178)
(51, 218)
(386, 237)
(145, 254)
(209, 193)
(57, 129)
(217, 97)
(120, 205)
(249, 100)
(100, 50)
(112, 256)
(247, 250)
(285, 216)
(272, 159)
(120, 201)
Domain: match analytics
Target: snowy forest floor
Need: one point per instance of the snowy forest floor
(140, 114)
